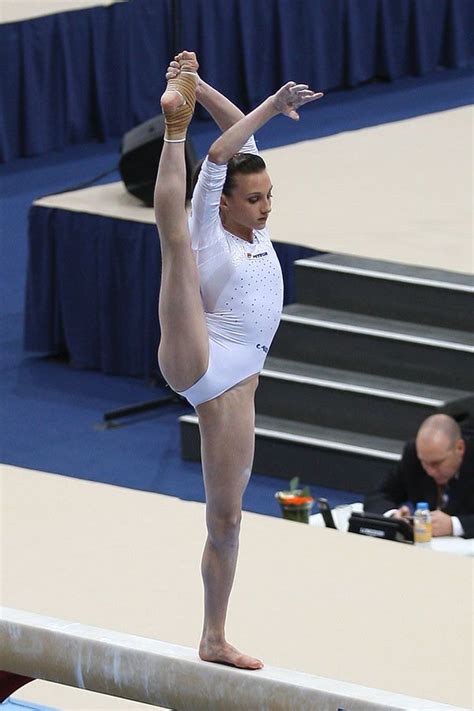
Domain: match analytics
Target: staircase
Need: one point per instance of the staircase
(369, 351)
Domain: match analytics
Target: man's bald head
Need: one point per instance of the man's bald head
(440, 447)
(440, 426)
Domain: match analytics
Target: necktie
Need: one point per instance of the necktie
(443, 498)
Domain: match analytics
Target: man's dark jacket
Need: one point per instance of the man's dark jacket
(409, 483)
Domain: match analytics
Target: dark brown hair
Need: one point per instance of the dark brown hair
(240, 163)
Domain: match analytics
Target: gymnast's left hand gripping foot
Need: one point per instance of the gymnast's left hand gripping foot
(220, 302)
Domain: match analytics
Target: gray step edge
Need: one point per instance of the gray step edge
(343, 321)
(370, 384)
(335, 445)
(398, 273)
(346, 387)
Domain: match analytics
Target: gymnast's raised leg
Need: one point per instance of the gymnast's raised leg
(183, 350)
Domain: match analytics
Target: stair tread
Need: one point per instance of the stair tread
(349, 318)
(394, 269)
(328, 434)
(347, 377)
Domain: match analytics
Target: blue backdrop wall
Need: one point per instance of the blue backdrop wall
(95, 73)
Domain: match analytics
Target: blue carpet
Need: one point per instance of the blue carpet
(51, 414)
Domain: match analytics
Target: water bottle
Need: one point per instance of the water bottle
(422, 524)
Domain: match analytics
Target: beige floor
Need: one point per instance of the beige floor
(18, 10)
(401, 191)
(374, 613)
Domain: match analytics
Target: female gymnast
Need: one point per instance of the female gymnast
(220, 303)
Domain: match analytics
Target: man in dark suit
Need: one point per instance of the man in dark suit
(438, 467)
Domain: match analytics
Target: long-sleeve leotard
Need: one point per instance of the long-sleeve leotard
(241, 289)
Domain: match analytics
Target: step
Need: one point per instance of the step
(386, 289)
(318, 455)
(372, 345)
(348, 400)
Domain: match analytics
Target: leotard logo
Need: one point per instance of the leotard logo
(263, 348)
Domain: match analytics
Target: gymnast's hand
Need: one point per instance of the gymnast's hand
(291, 96)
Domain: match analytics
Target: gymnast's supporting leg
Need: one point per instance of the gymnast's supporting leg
(183, 351)
(227, 426)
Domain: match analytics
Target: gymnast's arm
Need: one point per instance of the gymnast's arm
(205, 203)
(222, 110)
(286, 100)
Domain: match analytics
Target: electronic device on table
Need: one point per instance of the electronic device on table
(377, 526)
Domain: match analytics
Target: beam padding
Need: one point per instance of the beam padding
(169, 675)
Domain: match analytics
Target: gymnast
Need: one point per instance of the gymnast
(220, 303)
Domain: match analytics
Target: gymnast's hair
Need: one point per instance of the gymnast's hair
(239, 164)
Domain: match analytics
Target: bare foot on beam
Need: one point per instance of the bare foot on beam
(224, 653)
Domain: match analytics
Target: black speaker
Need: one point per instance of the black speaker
(140, 154)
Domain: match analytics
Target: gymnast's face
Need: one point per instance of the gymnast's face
(249, 204)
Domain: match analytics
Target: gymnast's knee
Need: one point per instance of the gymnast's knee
(175, 246)
(224, 528)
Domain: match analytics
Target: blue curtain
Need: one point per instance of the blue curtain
(81, 75)
(92, 290)
(95, 73)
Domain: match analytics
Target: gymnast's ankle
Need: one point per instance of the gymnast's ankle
(178, 103)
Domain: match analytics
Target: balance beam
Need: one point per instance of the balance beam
(162, 674)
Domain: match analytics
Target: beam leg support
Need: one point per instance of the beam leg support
(9, 683)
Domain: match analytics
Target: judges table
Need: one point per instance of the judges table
(444, 544)
(93, 279)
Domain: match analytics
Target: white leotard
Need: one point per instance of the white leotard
(241, 289)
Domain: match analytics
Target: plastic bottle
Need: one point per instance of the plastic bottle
(422, 524)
